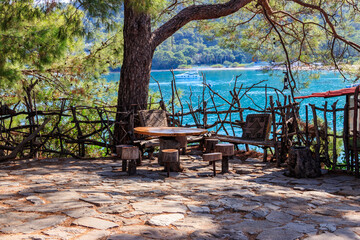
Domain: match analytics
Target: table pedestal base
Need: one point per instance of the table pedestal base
(170, 143)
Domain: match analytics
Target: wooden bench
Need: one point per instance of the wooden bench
(256, 132)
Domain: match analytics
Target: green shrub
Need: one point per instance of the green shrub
(184, 66)
(217, 66)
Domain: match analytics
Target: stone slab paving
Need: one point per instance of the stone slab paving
(93, 199)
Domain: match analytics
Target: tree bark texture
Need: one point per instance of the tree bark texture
(140, 44)
(136, 67)
(170, 143)
(301, 164)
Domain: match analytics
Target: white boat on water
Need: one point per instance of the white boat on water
(188, 75)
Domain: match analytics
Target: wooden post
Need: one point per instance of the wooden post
(307, 126)
(317, 148)
(183, 143)
(326, 144)
(81, 145)
(210, 144)
(346, 133)
(355, 128)
(335, 136)
(278, 160)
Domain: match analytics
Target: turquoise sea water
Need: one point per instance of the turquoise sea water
(222, 81)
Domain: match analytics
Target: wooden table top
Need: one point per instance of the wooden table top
(169, 131)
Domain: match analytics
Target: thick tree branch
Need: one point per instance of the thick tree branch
(195, 12)
(328, 21)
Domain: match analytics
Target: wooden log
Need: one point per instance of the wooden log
(124, 165)
(132, 167)
(212, 158)
(183, 143)
(170, 156)
(119, 149)
(130, 153)
(301, 164)
(167, 143)
(210, 144)
(227, 150)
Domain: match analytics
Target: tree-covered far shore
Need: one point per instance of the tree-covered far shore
(188, 47)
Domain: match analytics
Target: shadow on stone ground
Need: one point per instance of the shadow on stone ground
(93, 199)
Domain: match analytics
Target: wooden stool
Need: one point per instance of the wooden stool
(128, 153)
(212, 158)
(227, 150)
(210, 144)
(169, 156)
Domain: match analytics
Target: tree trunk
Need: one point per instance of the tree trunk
(136, 67)
(139, 47)
(301, 164)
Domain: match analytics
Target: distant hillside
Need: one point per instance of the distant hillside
(189, 47)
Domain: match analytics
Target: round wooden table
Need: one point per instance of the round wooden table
(170, 138)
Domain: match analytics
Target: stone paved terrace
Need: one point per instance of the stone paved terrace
(93, 199)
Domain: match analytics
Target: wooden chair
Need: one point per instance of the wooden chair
(256, 131)
(151, 118)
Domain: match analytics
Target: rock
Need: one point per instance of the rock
(328, 236)
(34, 225)
(154, 233)
(54, 207)
(155, 207)
(114, 209)
(239, 205)
(260, 213)
(195, 222)
(252, 226)
(35, 200)
(94, 235)
(301, 227)
(279, 234)
(124, 237)
(328, 227)
(198, 209)
(99, 200)
(64, 232)
(9, 184)
(92, 222)
(61, 196)
(279, 217)
(165, 220)
(81, 212)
